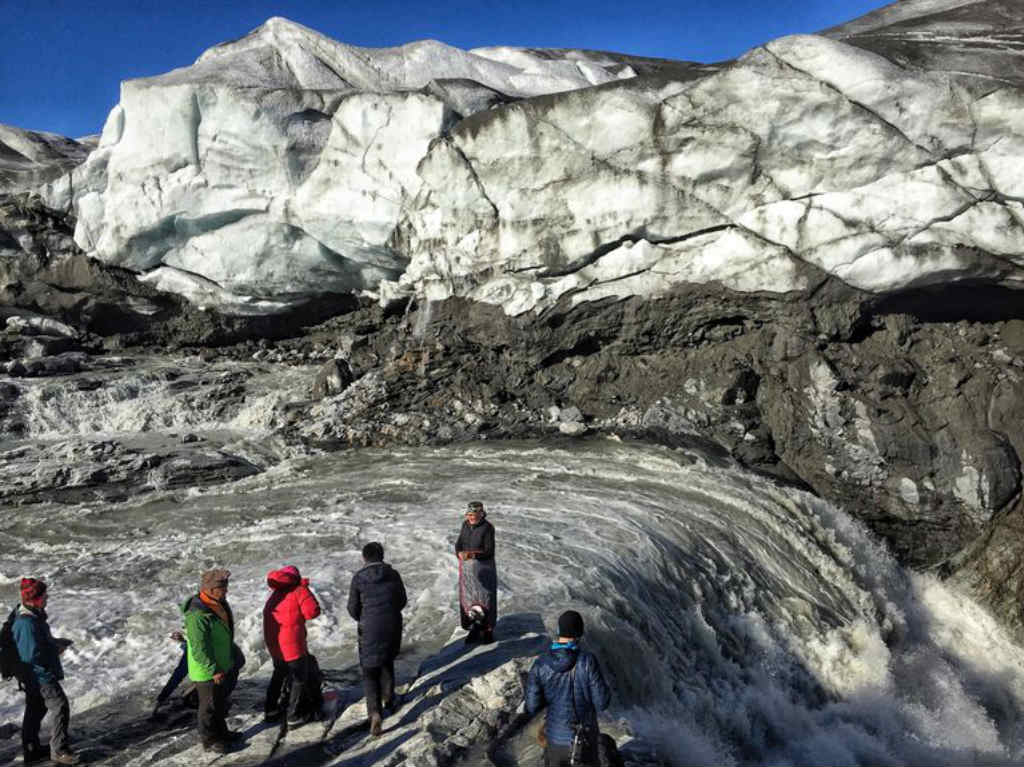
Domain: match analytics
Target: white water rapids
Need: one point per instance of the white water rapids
(738, 622)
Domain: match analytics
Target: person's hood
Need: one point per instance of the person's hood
(375, 572)
(563, 659)
(286, 578)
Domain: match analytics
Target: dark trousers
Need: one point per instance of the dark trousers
(213, 710)
(297, 673)
(40, 700)
(607, 754)
(177, 675)
(556, 756)
(378, 686)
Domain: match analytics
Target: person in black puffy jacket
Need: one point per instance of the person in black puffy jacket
(569, 681)
(376, 599)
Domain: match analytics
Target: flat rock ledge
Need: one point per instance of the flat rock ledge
(461, 706)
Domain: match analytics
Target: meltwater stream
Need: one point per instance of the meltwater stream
(740, 623)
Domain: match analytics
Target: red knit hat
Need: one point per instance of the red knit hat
(32, 592)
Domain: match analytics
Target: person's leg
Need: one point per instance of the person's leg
(556, 756)
(298, 671)
(35, 710)
(371, 689)
(206, 717)
(272, 705)
(387, 684)
(179, 673)
(59, 709)
(221, 702)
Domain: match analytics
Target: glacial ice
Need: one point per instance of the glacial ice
(286, 164)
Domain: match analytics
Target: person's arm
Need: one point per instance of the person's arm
(403, 598)
(355, 603)
(600, 695)
(487, 552)
(197, 634)
(460, 543)
(533, 699)
(30, 651)
(308, 605)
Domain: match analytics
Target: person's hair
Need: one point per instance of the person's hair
(373, 552)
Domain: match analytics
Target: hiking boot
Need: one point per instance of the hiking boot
(64, 757)
(273, 716)
(298, 720)
(35, 754)
(217, 746)
(376, 725)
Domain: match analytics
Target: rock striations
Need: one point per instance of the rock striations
(809, 258)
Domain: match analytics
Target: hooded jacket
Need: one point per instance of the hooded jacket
(286, 612)
(548, 683)
(375, 599)
(210, 639)
(36, 647)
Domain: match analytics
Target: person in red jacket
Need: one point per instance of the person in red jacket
(284, 628)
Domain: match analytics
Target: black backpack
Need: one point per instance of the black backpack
(10, 661)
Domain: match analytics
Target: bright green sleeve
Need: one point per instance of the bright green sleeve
(198, 634)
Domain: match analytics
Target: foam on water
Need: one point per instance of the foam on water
(161, 396)
(739, 622)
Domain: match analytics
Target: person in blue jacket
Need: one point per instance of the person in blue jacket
(569, 681)
(40, 676)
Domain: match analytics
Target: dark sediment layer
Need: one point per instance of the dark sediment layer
(904, 410)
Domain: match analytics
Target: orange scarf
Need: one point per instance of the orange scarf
(216, 606)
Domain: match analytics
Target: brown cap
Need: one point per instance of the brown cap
(476, 506)
(212, 579)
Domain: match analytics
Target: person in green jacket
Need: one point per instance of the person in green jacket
(213, 657)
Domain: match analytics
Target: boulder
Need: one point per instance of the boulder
(333, 378)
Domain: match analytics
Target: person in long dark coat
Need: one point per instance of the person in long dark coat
(478, 575)
(376, 599)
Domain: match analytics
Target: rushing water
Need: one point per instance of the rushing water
(739, 622)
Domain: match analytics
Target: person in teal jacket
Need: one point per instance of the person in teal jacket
(40, 676)
(213, 658)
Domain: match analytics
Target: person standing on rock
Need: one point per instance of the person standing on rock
(213, 658)
(40, 675)
(289, 606)
(376, 599)
(478, 575)
(569, 682)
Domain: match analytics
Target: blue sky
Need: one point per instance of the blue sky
(61, 61)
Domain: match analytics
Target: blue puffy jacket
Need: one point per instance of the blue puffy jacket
(548, 683)
(36, 647)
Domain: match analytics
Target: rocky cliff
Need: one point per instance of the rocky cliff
(809, 258)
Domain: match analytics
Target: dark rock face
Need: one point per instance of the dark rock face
(907, 423)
